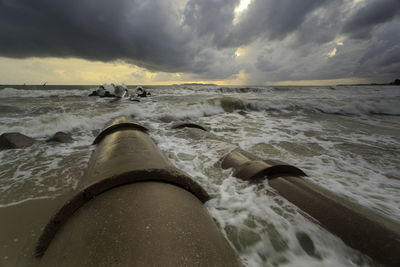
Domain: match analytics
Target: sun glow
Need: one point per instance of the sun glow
(242, 6)
(332, 53)
(240, 52)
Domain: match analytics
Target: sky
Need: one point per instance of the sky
(227, 42)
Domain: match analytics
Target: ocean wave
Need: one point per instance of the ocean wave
(387, 107)
(242, 89)
(28, 93)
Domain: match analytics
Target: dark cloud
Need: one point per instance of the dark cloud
(284, 40)
(265, 65)
(210, 18)
(143, 32)
(272, 19)
(323, 25)
(372, 14)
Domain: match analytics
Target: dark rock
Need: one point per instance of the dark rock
(168, 118)
(15, 140)
(396, 82)
(140, 92)
(181, 125)
(94, 93)
(307, 244)
(132, 98)
(61, 137)
(107, 94)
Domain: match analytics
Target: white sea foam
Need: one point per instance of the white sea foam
(22, 201)
(261, 226)
(355, 156)
(348, 107)
(25, 93)
(343, 171)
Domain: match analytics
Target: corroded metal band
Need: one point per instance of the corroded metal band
(171, 176)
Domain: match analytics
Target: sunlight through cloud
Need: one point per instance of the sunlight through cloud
(243, 5)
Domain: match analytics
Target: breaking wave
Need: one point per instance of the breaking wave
(28, 93)
(240, 89)
(389, 107)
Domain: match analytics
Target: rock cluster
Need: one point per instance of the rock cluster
(18, 140)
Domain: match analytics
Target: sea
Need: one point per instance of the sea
(346, 138)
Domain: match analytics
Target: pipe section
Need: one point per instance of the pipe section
(359, 227)
(134, 208)
(248, 167)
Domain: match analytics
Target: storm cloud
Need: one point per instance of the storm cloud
(371, 15)
(144, 32)
(282, 40)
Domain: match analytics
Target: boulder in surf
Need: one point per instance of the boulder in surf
(15, 140)
(61, 137)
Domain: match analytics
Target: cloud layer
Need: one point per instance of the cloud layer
(279, 40)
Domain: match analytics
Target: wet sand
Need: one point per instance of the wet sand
(20, 228)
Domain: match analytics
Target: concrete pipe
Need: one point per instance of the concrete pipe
(134, 208)
(249, 167)
(361, 228)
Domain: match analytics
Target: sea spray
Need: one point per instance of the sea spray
(346, 140)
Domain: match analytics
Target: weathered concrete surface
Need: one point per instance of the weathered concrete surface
(20, 225)
(359, 227)
(141, 224)
(249, 167)
(128, 187)
(125, 150)
(15, 140)
(120, 123)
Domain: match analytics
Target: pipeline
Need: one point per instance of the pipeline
(359, 227)
(133, 208)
